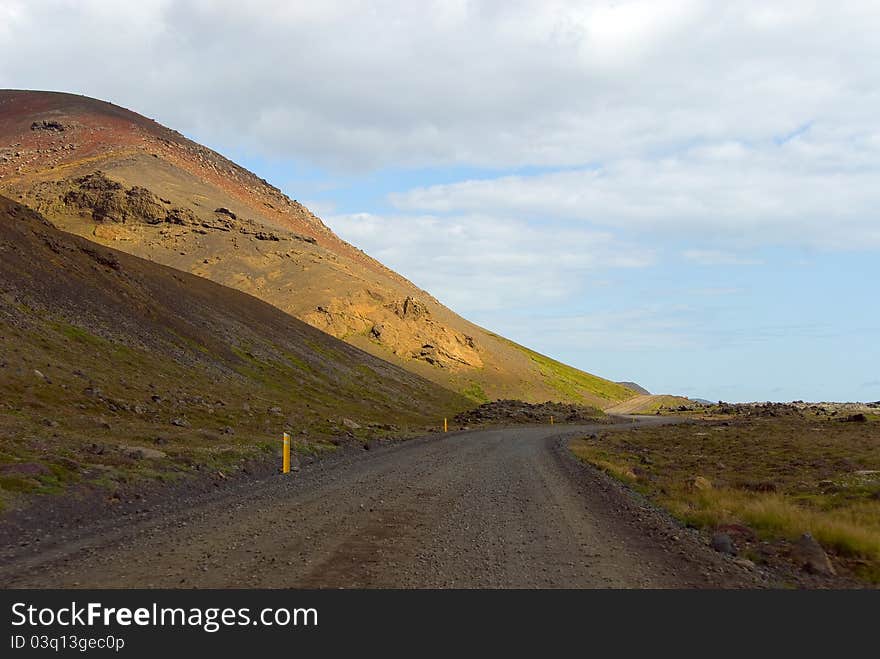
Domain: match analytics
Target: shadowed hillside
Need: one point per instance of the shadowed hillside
(114, 368)
(122, 180)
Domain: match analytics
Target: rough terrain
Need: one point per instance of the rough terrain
(517, 411)
(772, 483)
(489, 508)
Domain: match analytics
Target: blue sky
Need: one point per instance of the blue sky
(677, 192)
(773, 322)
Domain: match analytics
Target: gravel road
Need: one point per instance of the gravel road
(499, 508)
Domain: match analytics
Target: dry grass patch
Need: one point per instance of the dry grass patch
(780, 477)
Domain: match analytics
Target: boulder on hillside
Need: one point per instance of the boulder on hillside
(811, 557)
(722, 543)
(699, 484)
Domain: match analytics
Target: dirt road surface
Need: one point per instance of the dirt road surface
(495, 508)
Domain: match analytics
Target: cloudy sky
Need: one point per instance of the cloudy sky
(680, 192)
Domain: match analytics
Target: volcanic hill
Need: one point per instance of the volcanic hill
(122, 180)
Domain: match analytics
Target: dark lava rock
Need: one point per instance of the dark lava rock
(48, 125)
(517, 411)
(721, 542)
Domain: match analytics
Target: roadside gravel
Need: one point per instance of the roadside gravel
(497, 508)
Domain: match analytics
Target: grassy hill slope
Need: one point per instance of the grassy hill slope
(114, 368)
(649, 404)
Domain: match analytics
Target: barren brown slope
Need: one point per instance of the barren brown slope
(123, 180)
(114, 368)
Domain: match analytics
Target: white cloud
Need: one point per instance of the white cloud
(732, 121)
(486, 83)
(478, 263)
(817, 188)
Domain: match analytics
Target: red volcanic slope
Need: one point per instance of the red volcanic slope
(97, 129)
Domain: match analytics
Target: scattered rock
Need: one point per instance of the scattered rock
(811, 557)
(181, 423)
(144, 453)
(348, 423)
(429, 354)
(699, 484)
(228, 430)
(829, 486)
(721, 542)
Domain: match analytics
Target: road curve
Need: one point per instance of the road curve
(495, 508)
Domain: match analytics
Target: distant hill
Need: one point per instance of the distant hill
(635, 387)
(648, 404)
(113, 367)
(122, 180)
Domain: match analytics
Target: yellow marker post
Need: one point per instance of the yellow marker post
(445, 425)
(285, 459)
(551, 420)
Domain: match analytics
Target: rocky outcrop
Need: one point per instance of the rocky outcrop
(405, 327)
(517, 411)
(409, 309)
(812, 558)
(48, 125)
(107, 200)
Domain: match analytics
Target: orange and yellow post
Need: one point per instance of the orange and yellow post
(445, 425)
(285, 455)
